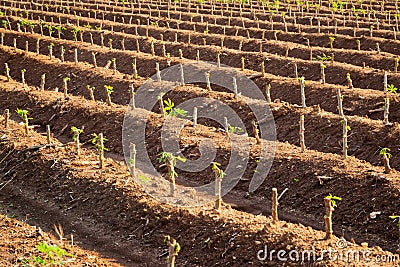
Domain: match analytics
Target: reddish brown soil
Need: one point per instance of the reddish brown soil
(19, 240)
(345, 179)
(118, 223)
(134, 221)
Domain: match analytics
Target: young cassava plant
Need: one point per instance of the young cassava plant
(170, 160)
(24, 116)
(330, 204)
(173, 249)
(386, 155)
(219, 174)
(109, 91)
(98, 142)
(76, 132)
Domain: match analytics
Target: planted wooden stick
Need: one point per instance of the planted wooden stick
(38, 46)
(109, 91)
(256, 132)
(194, 117)
(51, 51)
(275, 203)
(76, 132)
(91, 92)
(66, 80)
(322, 73)
(160, 97)
(386, 163)
(101, 150)
(62, 53)
(7, 72)
(218, 198)
(268, 93)
(349, 81)
(132, 160)
(345, 130)
(182, 74)
(133, 106)
(76, 55)
(328, 218)
(152, 48)
(340, 102)
(301, 134)
(243, 59)
(235, 88)
(173, 250)
(172, 173)
(262, 69)
(302, 91)
(137, 46)
(218, 60)
(6, 118)
(135, 71)
(385, 83)
(386, 111)
(23, 77)
(43, 81)
(226, 125)
(26, 123)
(48, 134)
(114, 62)
(158, 73)
(207, 75)
(296, 74)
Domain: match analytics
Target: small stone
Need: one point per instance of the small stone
(257, 242)
(364, 244)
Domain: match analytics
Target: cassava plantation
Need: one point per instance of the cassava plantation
(76, 77)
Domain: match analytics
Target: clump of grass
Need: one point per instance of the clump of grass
(51, 255)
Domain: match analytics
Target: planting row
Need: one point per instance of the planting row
(316, 124)
(367, 42)
(130, 217)
(317, 173)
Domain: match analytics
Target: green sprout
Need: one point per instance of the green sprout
(4, 23)
(398, 221)
(396, 217)
(334, 199)
(170, 160)
(96, 141)
(76, 131)
(144, 179)
(322, 58)
(385, 152)
(109, 89)
(235, 129)
(392, 89)
(169, 157)
(217, 171)
(331, 40)
(169, 109)
(53, 255)
(348, 126)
